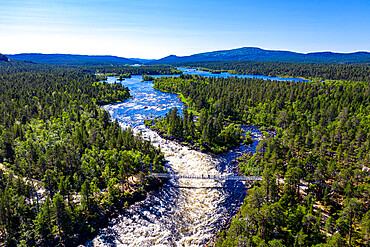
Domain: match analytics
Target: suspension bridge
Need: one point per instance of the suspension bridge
(214, 177)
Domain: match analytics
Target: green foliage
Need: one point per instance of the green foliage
(122, 77)
(53, 131)
(247, 139)
(315, 165)
(321, 71)
(148, 78)
(208, 133)
(43, 221)
(126, 71)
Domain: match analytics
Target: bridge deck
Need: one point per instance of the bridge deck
(215, 177)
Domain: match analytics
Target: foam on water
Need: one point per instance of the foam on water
(184, 212)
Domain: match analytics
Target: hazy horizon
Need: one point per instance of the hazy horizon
(156, 29)
(171, 54)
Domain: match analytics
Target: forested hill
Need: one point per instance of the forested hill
(3, 57)
(69, 59)
(258, 54)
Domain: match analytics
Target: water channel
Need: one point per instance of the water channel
(184, 212)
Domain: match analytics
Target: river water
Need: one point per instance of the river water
(184, 212)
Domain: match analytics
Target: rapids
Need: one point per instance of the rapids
(184, 212)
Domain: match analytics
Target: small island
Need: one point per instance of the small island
(205, 132)
(148, 78)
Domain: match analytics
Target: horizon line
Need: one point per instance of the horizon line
(111, 55)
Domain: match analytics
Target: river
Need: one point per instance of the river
(184, 212)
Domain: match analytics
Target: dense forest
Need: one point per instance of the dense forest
(316, 186)
(64, 165)
(348, 72)
(132, 70)
(207, 133)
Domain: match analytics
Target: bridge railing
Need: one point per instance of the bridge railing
(208, 176)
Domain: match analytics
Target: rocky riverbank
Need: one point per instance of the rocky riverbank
(136, 189)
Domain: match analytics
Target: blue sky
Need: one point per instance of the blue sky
(157, 28)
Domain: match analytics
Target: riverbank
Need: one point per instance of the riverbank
(136, 189)
(227, 218)
(186, 212)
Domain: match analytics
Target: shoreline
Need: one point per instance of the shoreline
(232, 73)
(150, 186)
(229, 219)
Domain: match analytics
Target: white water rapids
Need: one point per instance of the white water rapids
(184, 212)
(174, 216)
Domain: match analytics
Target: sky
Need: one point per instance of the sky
(154, 29)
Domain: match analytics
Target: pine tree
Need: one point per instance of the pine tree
(43, 221)
(85, 196)
(61, 216)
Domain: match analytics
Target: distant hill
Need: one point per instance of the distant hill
(258, 54)
(4, 58)
(68, 59)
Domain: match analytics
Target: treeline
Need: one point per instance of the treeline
(207, 133)
(52, 130)
(315, 188)
(347, 72)
(148, 78)
(43, 92)
(133, 70)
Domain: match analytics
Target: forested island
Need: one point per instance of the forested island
(315, 188)
(65, 167)
(148, 78)
(208, 133)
